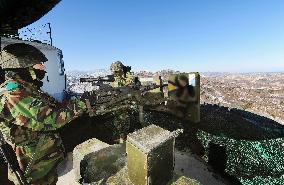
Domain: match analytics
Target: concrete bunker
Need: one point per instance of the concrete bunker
(148, 159)
(197, 138)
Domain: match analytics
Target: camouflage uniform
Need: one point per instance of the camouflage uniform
(29, 118)
(121, 82)
(122, 116)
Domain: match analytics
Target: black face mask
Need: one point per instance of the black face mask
(39, 74)
(38, 83)
(24, 74)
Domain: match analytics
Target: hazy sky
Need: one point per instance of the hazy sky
(186, 35)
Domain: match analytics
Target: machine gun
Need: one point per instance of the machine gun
(93, 80)
(104, 101)
(7, 155)
(182, 101)
(108, 78)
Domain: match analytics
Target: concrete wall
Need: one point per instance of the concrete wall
(54, 81)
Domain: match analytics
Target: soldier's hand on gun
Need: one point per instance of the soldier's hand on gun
(90, 109)
(90, 102)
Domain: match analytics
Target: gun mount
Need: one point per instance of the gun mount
(103, 101)
(181, 100)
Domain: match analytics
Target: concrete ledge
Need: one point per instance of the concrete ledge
(82, 150)
(98, 166)
(182, 180)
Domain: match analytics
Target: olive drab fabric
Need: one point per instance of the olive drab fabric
(122, 116)
(122, 122)
(116, 66)
(121, 81)
(29, 119)
(20, 55)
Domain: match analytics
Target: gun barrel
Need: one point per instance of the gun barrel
(99, 79)
(153, 86)
(11, 161)
(88, 79)
(13, 165)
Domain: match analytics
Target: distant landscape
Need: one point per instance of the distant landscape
(260, 93)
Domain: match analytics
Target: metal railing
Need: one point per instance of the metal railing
(40, 34)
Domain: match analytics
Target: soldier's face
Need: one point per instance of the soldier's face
(39, 67)
(39, 70)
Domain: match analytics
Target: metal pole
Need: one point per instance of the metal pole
(49, 26)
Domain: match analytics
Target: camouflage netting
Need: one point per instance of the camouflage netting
(253, 144)
(252, 162)
(247, 146)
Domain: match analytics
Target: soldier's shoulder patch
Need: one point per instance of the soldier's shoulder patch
(10, 86)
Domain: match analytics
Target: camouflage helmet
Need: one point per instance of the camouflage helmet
(20, 55)
(116, 66)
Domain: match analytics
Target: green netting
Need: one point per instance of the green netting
(263, 180)
(252, 162)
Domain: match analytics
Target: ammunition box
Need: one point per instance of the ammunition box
(150, 156)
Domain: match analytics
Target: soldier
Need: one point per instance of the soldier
(122, 77)
(31, 117)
